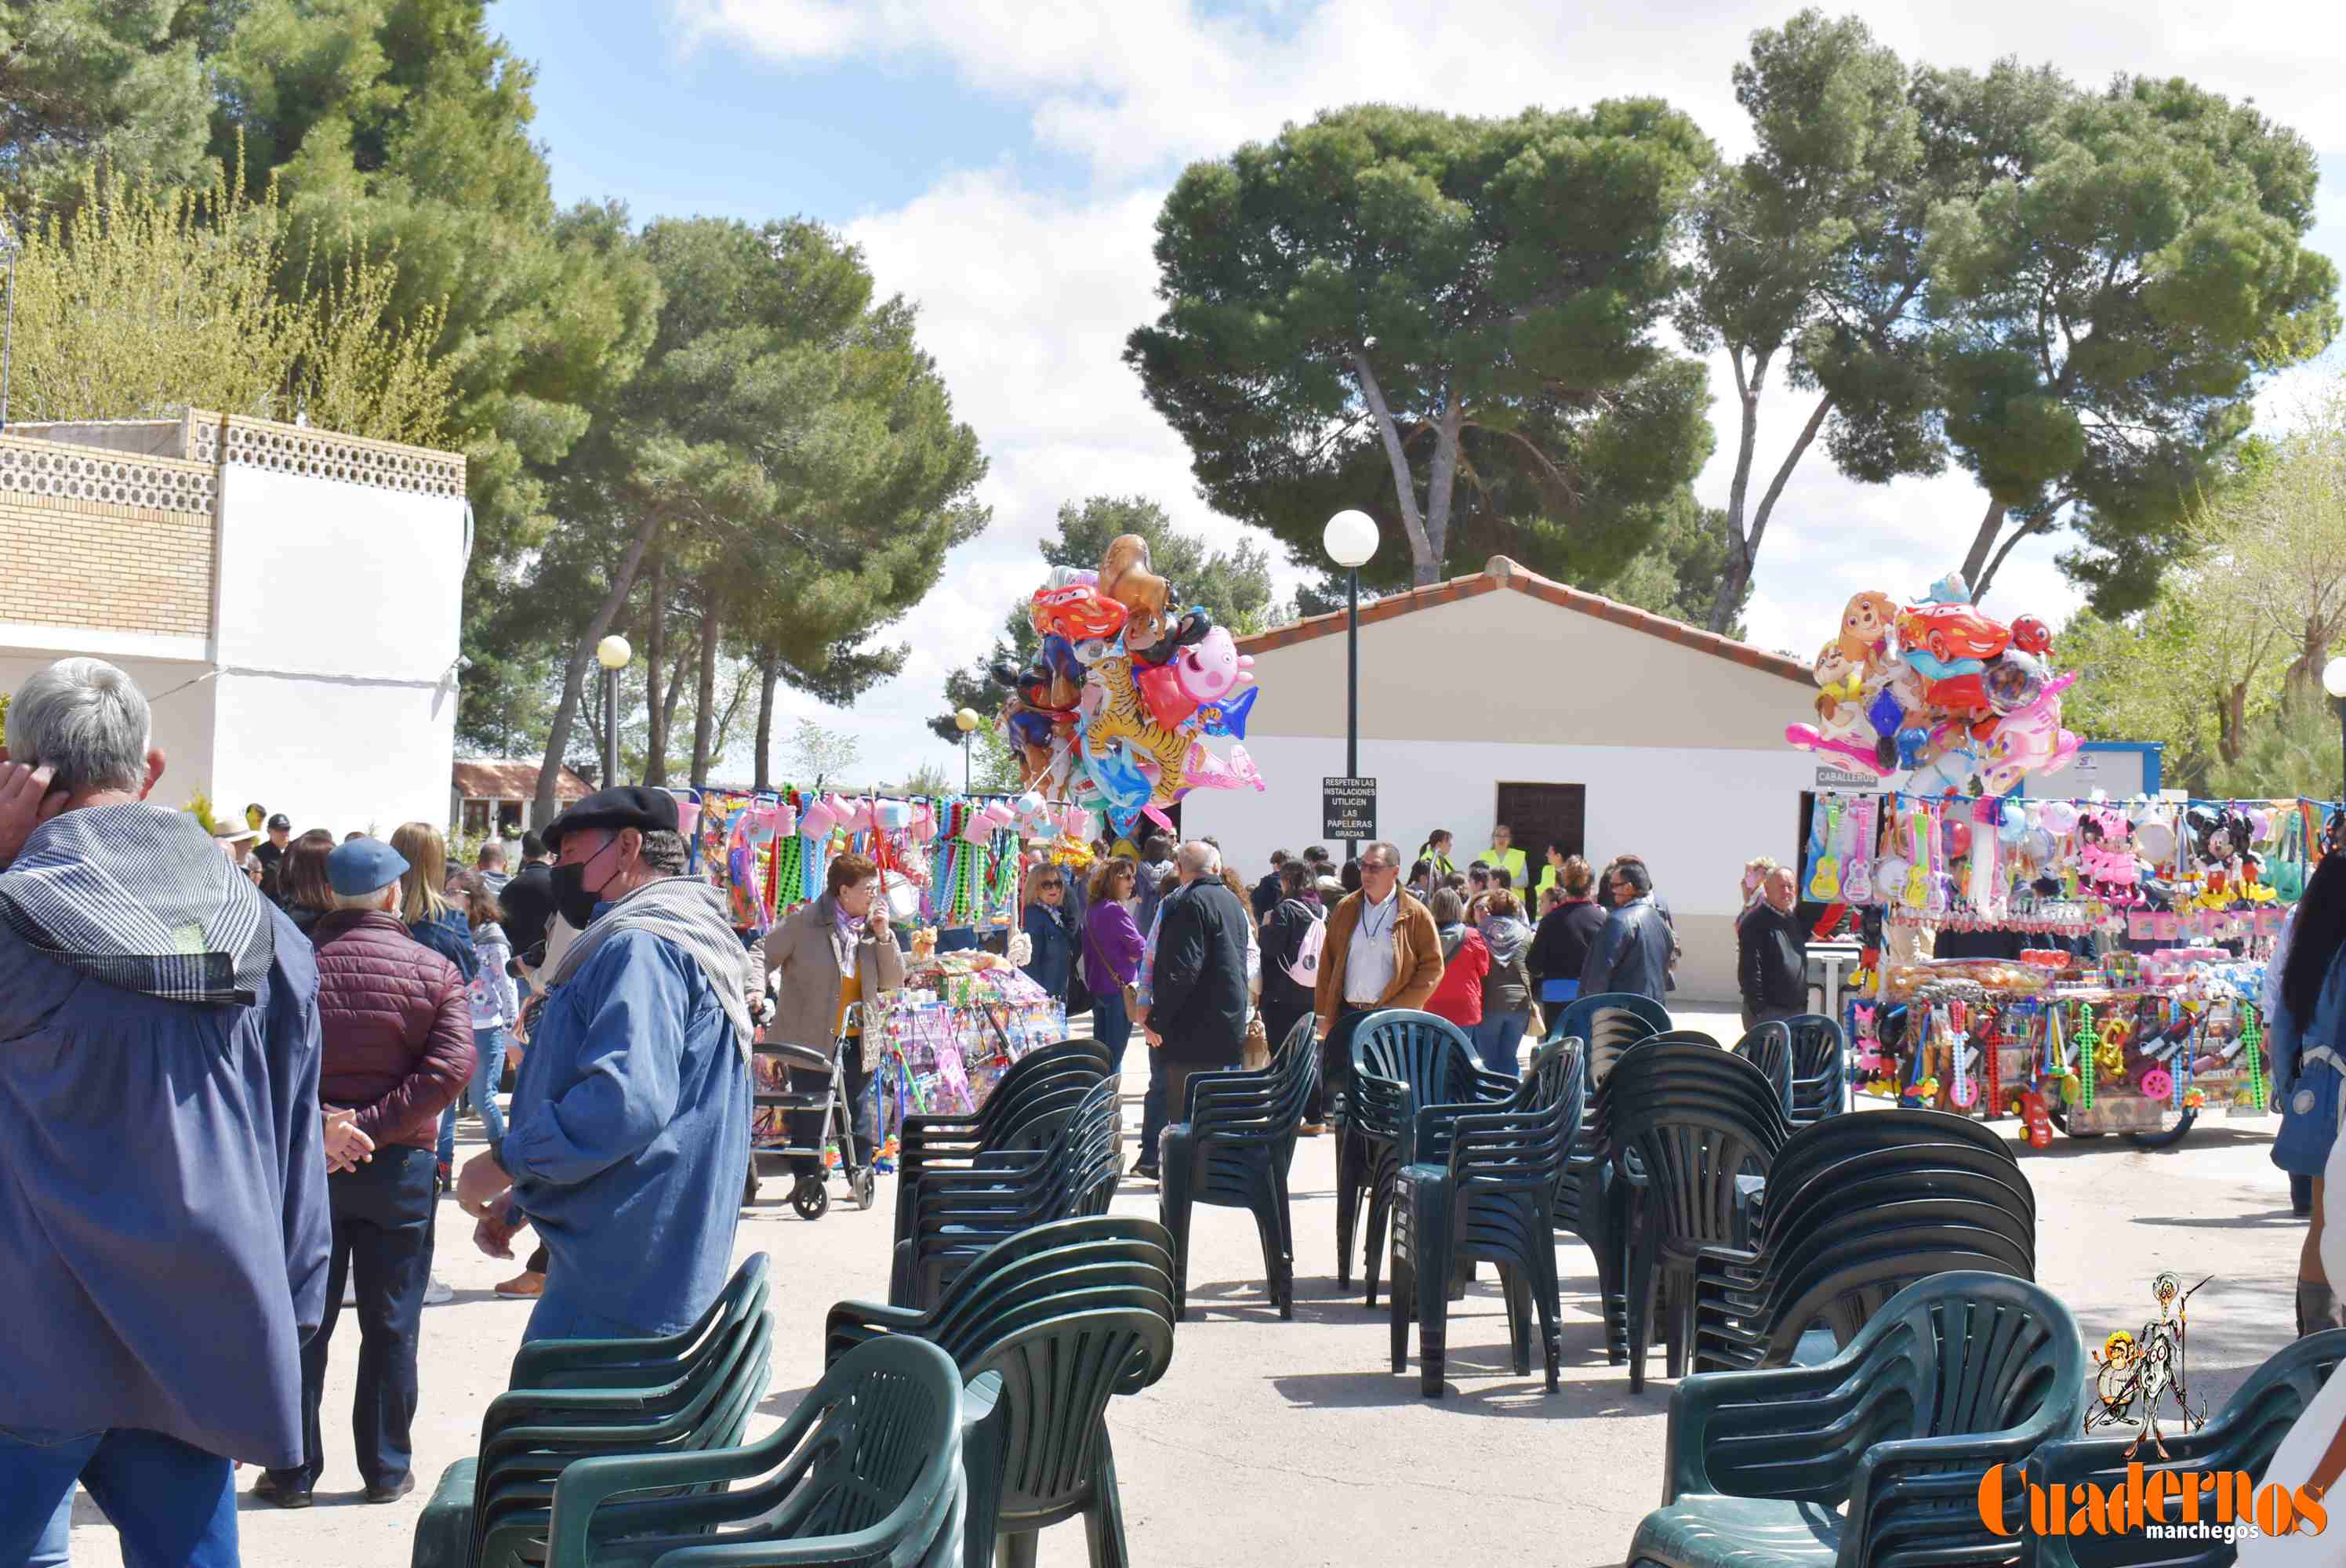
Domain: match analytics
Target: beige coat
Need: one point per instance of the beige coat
(806, 953)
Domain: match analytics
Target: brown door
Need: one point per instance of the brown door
(1544, 814)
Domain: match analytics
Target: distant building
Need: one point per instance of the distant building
(1504, 696)
(496, 793)
(288, 598)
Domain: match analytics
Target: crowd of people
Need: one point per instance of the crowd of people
(249, 1062)
(1216, 972)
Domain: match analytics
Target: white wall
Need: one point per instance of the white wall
(338, 617)
(1694, 814)
(182, 719)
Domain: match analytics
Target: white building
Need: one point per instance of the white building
(288, 598)
(1576, 720)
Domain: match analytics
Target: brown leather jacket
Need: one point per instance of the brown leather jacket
(1417, 958)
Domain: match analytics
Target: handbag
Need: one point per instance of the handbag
(1131, 992)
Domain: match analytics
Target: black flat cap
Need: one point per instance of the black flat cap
(622, 806)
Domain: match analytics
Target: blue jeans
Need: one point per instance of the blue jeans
(174, 1506)
(1152, 1110)
(1495, 1039)
(488, 1071)
(1111, 1024)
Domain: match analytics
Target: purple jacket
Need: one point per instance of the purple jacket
(1112, 947)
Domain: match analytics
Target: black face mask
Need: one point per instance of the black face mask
(573, 899)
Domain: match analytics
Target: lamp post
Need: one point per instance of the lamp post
(2333, 681)
(965, 720)
(1349, 539)
(9, 245)
(612, 653)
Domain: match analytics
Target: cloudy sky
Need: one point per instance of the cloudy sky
(1002, 161)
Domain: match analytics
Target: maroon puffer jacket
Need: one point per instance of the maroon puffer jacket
(398, 1027)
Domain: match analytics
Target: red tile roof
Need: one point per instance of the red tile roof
(1502, 573)
(510, 778)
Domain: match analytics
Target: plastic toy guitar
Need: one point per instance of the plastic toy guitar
(1857, 866)
(1824, 884)
(1917, 891)
(1935, 902)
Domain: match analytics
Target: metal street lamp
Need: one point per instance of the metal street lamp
(612, 653)
(9, 246)
(967, 721)
(2333, 681)
(1349, 539)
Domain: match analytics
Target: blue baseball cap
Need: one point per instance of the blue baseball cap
(363, 866)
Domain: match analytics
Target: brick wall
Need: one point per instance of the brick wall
(104, 540)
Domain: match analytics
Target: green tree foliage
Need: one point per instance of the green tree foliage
(1445, 321)
(1233, 586)
(2104, 311)
(82, 80)
(787, 449)
(1809, 268)
(401, 127)
(1683, 571)
(136, 300)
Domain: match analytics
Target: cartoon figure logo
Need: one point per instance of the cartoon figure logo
(2138, 1371)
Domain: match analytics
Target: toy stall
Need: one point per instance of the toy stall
(2128, 1000)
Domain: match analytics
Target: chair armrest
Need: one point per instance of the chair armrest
(849, 1323)
(1430, 1130)
(1493, 1086)
(1697, 1403)
(1943, 1469)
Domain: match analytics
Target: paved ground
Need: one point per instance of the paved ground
(1290, 1442)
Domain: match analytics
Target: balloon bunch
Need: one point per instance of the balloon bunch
(1113, 709)
(1940, 690)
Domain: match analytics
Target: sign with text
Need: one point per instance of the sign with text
(1347, 808)
(1842, 779)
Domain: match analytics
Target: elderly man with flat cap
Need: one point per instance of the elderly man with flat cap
(628, 1144)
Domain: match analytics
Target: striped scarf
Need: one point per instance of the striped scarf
(141, 899)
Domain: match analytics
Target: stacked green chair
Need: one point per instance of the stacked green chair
(1694, 1128)
(1481, 1185)
(573, 1400)
(2241, 1439)
(1855, 1209)
(957, 1215)
(1036, 1094)
(1066, 1316)
(1875, 1459)
(869, 1470)
(1402, 1060)
(1589, 1202)
(1819, 1068)
(1232, 1149)
(1769, 1047)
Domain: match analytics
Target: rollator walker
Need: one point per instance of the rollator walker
(811, 1195)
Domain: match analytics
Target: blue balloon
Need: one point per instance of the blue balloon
(1228, 718)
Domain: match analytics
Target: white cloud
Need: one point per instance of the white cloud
(1027, 293)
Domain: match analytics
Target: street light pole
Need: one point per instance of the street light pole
(1349, 539)
(965, 720)
(612, 653)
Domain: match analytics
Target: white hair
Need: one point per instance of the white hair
(1200, 858)
(377, 900)
(86, 720)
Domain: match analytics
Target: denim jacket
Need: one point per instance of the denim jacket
(2287, 1040)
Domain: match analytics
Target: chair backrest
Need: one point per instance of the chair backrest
(1819, 1049)
(1829, 1142)
(1691, 1075)
(1959, 1353)
(634, 1363)
(1518, 1146)
(1428, 1056)
(1769, 1047)
(1610, 1022)
(1264, 1106)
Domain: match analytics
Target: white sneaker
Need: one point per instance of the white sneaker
(437, 1291)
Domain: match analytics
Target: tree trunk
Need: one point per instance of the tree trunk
(770, 676)
(1445, 480)
(675, 668)
(704, 717)
(655, 671)
(1739, 489)
(2232, 722)
(1976, 570)
(574, 674)
(1428, 566)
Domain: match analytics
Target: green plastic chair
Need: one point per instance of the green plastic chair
(867, 1470)
(693, 1390)
(1876, 1458)
(2244, 1436)
(1066, 1316)
(1233, 1148)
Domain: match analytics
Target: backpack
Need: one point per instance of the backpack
(1305, 969)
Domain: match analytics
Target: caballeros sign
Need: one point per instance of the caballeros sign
(2162, 1504)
